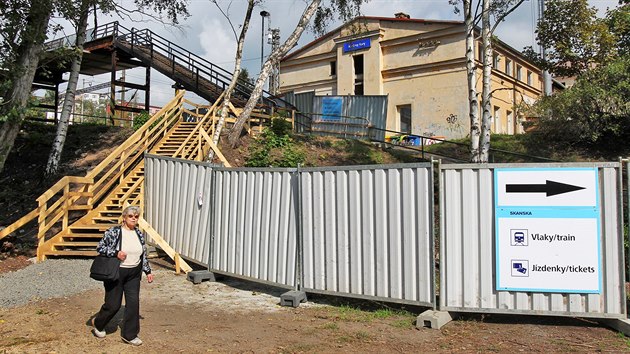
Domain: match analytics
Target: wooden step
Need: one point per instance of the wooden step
(91, 245)
(71, 253)
(84, 235)
(96, 228)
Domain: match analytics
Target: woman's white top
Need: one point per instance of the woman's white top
(132, 246)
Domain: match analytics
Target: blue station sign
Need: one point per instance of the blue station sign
(356, 45)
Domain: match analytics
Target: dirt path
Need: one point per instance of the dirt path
(236, 316)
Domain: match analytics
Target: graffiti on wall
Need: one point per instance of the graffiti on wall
(452, 126)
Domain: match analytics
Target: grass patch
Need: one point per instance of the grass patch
(300, 348)
(330, 325)
(403, 323)
(353, 314)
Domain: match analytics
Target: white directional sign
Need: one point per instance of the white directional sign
(547, 187)
(547, 230)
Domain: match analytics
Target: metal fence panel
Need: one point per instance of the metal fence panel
(254, 225)
(304, 104)
(468, 259)
(367, 232)
(357, 114)
(177, 203)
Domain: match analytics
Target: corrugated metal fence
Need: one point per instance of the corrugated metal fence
(178, 204)
(355, 117)
(254, 231)
(468, 249)
(367, 232)
(360, 231)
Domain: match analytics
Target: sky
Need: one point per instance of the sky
(208, 34)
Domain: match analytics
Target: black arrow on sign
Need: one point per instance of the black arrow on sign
(551, 188)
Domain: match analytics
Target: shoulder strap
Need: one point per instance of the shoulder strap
(120, 236)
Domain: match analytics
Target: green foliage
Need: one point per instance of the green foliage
(618, 21)
(360, 151)
(281, 127)
(275, 147)
(574, 37)
(140, 119)
(593, 115)
(343, 10)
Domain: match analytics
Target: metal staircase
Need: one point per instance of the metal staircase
(193, 72)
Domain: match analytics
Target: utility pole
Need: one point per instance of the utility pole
(274, 78)
(263, 14)
(546, 75)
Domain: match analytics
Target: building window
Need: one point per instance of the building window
(358, 74)
(333, 68)
(480, 52)
(404, 114)
(510, 123)
(496, 59)
(519, 72)
(529, 77)
(497, 120)
(508, 67)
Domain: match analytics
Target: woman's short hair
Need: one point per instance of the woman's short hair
(132, 209)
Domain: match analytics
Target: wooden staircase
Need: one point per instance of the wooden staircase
(74, 213)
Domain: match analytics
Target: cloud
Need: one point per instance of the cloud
(217, 41)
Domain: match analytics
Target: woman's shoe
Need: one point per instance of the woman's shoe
(136, 341)
(96, 332)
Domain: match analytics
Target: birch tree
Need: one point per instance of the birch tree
(237, 69)
(492, 13)
(68, 103)
(344, 9)
(24, 23)
(273, 58)
(80, 18)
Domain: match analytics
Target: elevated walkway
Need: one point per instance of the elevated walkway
(112, 47)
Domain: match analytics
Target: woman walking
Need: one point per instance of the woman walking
(126, 242)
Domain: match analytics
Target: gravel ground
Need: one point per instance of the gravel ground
(50, 279)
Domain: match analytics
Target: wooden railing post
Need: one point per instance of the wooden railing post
(40, 232)
(65, 205)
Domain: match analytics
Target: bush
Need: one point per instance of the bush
(592, 116)
(275, 147)
(140, 119)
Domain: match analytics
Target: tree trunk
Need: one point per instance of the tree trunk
(484, 144)
(22, 75)
(237, 70)
(275, 56)
(471, 70)
(62, 128)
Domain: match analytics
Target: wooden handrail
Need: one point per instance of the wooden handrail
(184, 149)
(96, 180)
(164, 245)
(214, 147)
(137, 135)
(19, 223)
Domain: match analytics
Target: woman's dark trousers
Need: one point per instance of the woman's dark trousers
(128, 283)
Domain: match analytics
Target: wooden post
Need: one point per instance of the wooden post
(66, 203)
(40, 233)
(112, 98)
(147, 89)
(178, 268)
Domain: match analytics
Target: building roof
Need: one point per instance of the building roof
(360, 18)
(396, 19)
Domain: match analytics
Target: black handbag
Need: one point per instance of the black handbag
(106, 268)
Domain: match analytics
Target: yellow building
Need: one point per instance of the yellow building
(420, 65)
